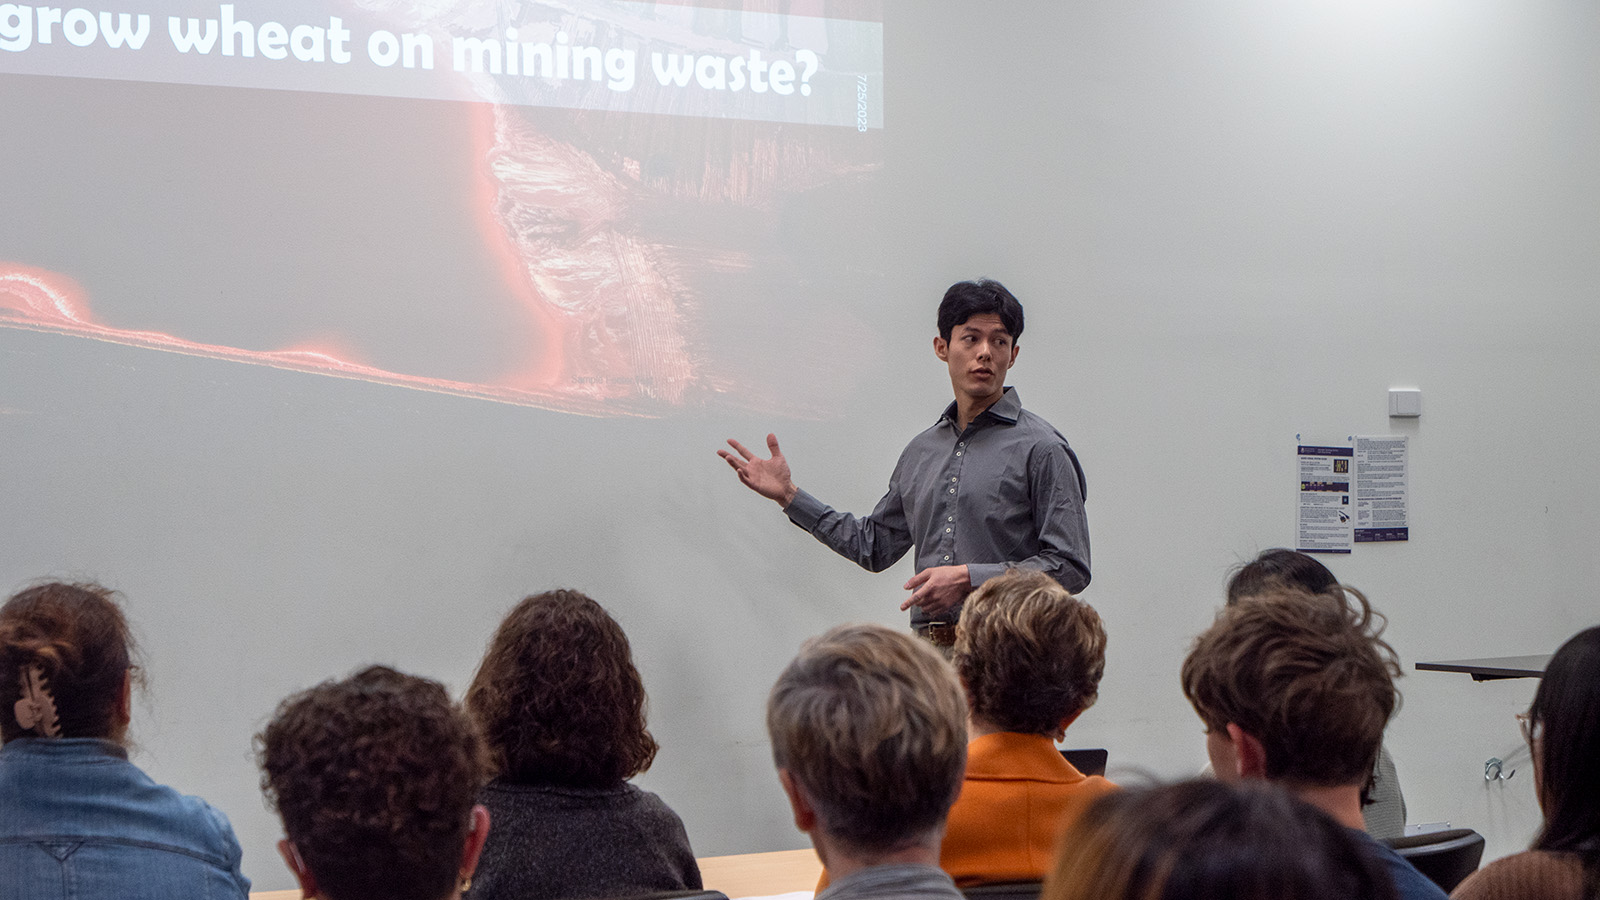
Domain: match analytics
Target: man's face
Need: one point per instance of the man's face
(979, 353)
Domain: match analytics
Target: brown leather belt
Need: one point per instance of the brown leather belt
(939, 634)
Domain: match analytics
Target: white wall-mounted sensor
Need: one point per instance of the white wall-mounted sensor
(1405, 402)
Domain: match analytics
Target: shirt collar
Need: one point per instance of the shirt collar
(1011, 756)
(893, 880)
(1007, 409)
(64, 748)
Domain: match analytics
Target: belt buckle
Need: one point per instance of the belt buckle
(940, 634)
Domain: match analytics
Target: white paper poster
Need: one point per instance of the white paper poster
(1326, 520)
(1381, 489)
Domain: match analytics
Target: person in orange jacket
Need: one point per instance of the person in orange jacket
(1030, 656)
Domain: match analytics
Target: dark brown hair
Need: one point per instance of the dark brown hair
(1280, 568)
(558, 697)
(375, 777)
(966, 299)
(78, 638)
(872, 724)
(1029, 653)
(1202, 839)
(1566, 716)
(1306, 674)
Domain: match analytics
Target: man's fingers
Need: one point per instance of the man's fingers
(772, 445)
(918, 597)
(741, 448)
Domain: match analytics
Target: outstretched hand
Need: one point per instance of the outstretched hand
(938, 589)
(767, 477)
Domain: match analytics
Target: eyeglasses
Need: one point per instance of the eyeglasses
(1531, 730)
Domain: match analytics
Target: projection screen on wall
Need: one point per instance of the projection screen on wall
(605, 208)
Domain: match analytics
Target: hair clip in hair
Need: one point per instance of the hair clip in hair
(36, 711)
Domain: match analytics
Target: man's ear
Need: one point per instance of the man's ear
(1250, 752)
(1064, 724)
(941, 348)
(291, 858)
(805, 815)
(475, 840)
(1014, 349)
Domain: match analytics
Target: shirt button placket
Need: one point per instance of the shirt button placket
(950, 519)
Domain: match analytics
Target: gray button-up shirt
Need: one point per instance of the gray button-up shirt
(1007, 492)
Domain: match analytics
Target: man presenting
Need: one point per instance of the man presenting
(990, 486)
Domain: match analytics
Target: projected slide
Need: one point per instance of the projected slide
(595, 207)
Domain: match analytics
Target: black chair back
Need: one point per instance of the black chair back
(1005, 890)
(1089, 762)
(1446, 857)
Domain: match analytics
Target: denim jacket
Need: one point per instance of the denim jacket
(80, 822)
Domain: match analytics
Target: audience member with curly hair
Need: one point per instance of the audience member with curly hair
(1030, 656)
(1296, 688)
(563, 711)
(1383, 804)
(375, 778)
(76, 817)
(1199, 840)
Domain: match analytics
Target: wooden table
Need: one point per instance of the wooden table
(743, 875)
(761, 874)
(1492, 668)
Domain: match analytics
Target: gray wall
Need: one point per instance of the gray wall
(1231, 222)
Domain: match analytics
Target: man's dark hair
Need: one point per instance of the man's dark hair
(375, 777)
(1280, 568)
(966, 299)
